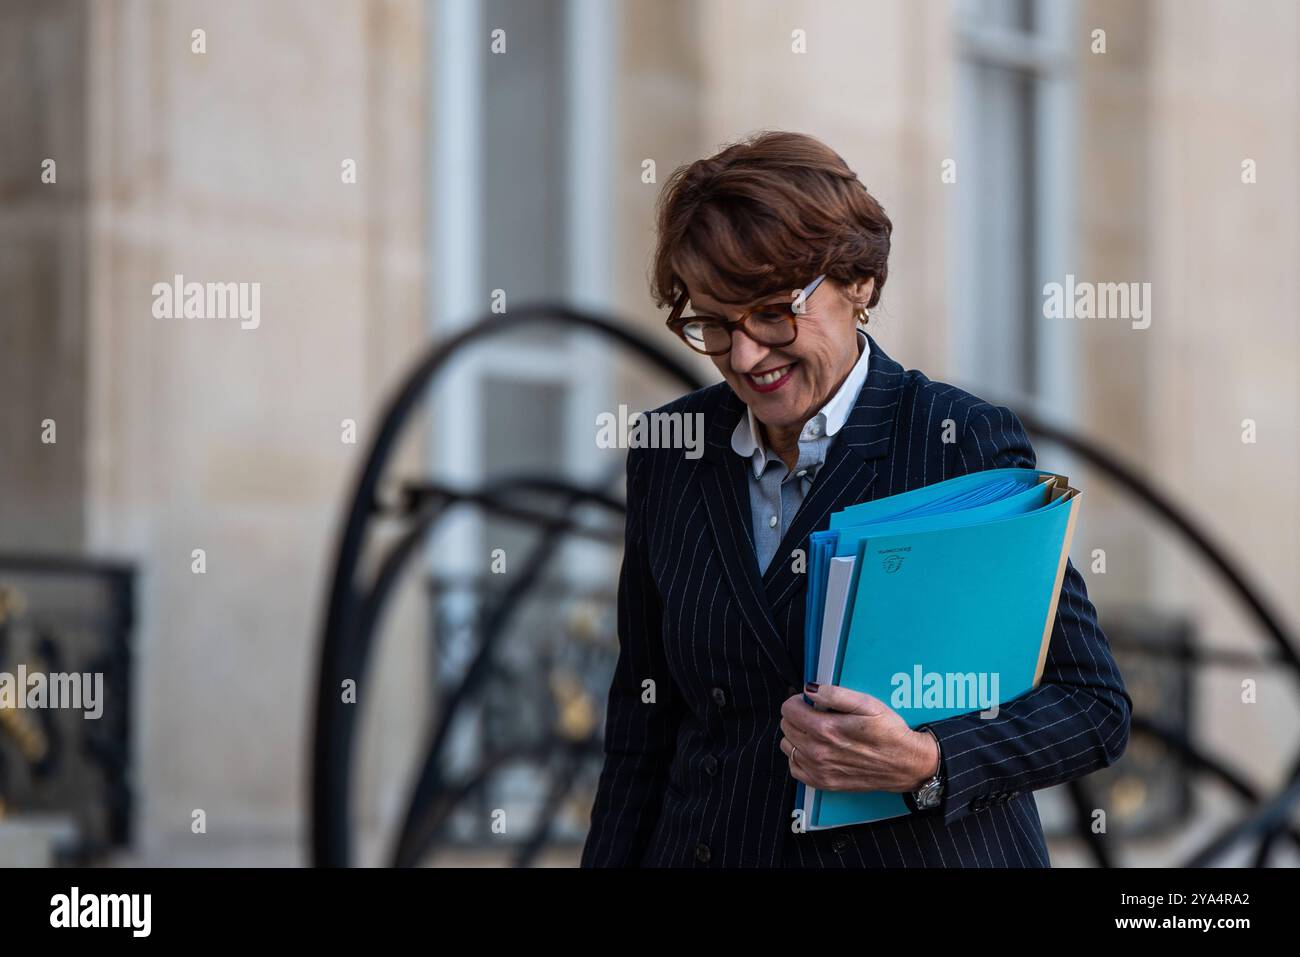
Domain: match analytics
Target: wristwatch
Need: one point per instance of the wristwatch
(929, 794)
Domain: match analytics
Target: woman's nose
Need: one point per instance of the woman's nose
(746, 354)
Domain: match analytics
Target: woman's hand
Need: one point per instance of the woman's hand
(859, 744)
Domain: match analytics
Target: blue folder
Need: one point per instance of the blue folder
(949, 609)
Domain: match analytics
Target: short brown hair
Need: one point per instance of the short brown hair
(767, 215)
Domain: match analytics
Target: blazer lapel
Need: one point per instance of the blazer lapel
(847, 477)
(725, 486)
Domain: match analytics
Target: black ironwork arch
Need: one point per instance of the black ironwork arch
(352, 611)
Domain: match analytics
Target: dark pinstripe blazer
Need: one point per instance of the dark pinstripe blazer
(697, 777)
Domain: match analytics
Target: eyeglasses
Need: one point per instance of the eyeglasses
(772, 323)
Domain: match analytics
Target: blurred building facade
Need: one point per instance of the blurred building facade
(500, 150)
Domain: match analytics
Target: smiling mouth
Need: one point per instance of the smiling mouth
(771, 379)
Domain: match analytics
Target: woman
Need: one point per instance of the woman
(770, 255)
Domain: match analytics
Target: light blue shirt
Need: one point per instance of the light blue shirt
(776, 492)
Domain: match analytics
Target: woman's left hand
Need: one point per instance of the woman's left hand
(860, 744)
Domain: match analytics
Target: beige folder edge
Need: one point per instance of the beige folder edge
(1060, 487)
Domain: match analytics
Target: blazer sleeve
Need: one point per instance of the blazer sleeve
(1076, 720)
(640, 736)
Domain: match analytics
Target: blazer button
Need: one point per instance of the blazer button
(703, 854)
(719, 697)
(710, 765)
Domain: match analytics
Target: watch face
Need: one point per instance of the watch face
(928, 796)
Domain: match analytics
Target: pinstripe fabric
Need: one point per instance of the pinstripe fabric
(695, 776)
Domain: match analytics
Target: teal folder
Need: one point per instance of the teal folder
(949, 609)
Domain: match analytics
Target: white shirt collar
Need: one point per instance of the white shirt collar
(746, 439)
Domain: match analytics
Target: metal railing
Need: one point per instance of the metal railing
(69, 615)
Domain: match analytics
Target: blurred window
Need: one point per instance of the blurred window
(1014, 188)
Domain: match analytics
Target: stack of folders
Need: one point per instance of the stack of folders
(938, 602)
